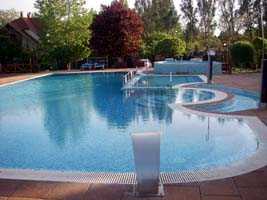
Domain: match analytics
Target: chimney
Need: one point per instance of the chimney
(21, 14)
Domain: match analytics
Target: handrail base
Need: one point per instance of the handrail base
(160, 193)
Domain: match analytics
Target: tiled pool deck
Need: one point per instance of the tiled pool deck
(252, 186)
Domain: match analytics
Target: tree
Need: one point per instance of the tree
(190, 17)
(170, 47)
(206, 10)
(230, 19)
(144, 9)
(163, 44)
(148, 49)
(250, 12)
(166, 15)
(158, 15)
(66, 34)
(7, 16)
(116, 31)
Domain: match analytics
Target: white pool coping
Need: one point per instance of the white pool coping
(219, 96)
(255, 161)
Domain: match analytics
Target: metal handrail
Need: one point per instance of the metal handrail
(131, 74)
(128, 77)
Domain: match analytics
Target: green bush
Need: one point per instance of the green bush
(243, 54)
(149, 44)
(170, 47)
(159, 43)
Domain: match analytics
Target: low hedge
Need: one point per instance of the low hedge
(243, 54)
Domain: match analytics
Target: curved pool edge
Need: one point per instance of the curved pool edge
(253, 162)
(219, 97)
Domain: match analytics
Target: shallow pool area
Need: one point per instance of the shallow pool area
(241, 100)
(186, 67)
(84, 122)
(164, 81)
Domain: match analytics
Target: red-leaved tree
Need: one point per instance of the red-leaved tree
(116, 31)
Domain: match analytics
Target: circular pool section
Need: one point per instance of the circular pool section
(84, 123)
(163, 97)
(164, 81)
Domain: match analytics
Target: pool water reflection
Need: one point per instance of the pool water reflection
(84, 123)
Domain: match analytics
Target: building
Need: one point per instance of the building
(25, 33)
(27, 30)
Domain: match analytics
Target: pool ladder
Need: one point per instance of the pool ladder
(128, 77)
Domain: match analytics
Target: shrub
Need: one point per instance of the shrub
(149, 44)
(170, 47)
(243, 54)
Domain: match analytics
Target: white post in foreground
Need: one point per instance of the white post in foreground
(146, 148)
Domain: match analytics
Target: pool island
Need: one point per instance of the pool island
(186, 67)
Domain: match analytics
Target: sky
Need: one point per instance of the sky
(28, 5)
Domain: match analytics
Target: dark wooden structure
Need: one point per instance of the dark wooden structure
(25, 33)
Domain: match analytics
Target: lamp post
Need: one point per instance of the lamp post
(211, 54)
(263, 98)
(262, 26)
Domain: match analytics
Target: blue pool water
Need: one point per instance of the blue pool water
(84, 123)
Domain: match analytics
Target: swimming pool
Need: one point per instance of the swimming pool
(84, 123)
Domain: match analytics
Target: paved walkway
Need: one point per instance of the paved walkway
(252, 186)
(8, 78)
(249, 81)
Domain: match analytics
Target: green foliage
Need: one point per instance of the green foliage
(170, 47)
(190, 16)
(230, 22)
(157, 15)
(206, 10)
(150, 43)
(258, 45)
(163, 44)
(243, 54)
(66, 33)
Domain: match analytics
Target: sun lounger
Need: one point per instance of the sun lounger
(99, 66)
(87, 65)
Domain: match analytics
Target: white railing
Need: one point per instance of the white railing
(128, 77)
(131, 74)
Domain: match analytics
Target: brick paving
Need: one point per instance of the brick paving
(251, 186)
